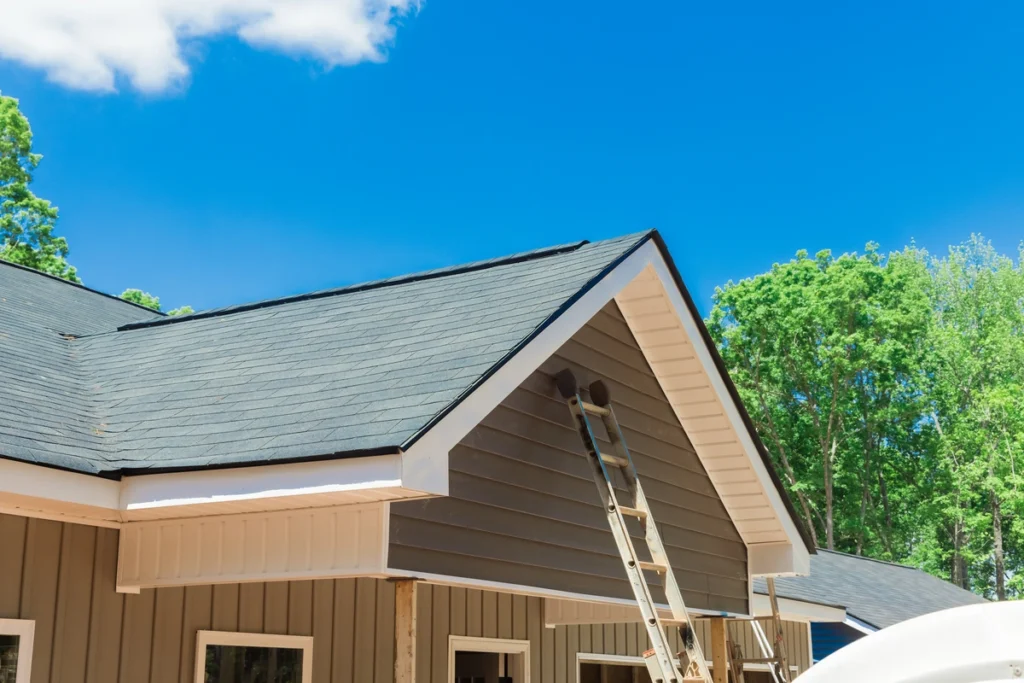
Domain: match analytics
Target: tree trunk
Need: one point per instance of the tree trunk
(959, 573)
(781, 450)
(997, 548)
(830, 540)
(883, 491)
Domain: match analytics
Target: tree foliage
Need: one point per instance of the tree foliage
(889, 390)
(137, 296)
(26, 221)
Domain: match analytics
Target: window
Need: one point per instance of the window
(488, 660)
(223, 657)
(16, 636)
(592, 672)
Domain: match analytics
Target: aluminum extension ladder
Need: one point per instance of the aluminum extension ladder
(659, 659)
(773, 657)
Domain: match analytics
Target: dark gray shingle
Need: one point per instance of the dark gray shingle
(878, 593)
(46, 412)
(364, 368)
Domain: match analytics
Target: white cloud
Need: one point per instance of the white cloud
(87, 44)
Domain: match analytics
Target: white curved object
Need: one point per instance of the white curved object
(970, 644)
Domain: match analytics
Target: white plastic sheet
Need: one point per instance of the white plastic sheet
(972, 644)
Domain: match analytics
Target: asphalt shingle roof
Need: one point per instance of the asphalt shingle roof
(878, 593)
(354, 370)
(46, 414)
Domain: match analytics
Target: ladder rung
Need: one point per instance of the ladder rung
(614, 460)
(652, 567)
(633, 512)
(594, 409)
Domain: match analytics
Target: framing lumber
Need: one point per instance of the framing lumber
(405, 631)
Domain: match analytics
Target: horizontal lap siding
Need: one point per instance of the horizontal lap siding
(523, 508)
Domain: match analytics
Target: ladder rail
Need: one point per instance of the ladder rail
(659, 555)
(766, 649)
(660, 660)
(617, 523)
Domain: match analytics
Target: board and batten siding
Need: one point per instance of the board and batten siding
(62, 576)
(522, 507)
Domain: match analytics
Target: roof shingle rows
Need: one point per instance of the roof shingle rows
(351, 371)
(878, 593)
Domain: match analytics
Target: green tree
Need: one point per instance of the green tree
(975, 366)
(26, 221)
(826, 354)
(890, 391)
(137, 296)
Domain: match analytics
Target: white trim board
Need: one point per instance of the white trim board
(798, 610)
(36, 491)
(858, 625)
(266, 487)
(25, 629)
(520, 648)
(205, 639)
(452, 428)
(671, 340)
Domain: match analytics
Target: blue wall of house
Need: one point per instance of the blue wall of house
(828, 637)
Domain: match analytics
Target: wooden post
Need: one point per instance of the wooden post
(405, 631)
(719, 653)
(780, 641)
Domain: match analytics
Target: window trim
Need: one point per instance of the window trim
(499, 646)
(25, 629)
(233, 639)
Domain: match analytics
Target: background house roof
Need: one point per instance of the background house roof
(877, 593)
(350, 371)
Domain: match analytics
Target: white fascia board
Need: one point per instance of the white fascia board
(858, 625)
(170, 490)
(39, 482)
(798, 610)
(426, 461)
(801, 557)
(778, 559)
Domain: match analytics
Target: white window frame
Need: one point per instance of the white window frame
(25, 629)
(501, 646)
(631, 660)
(206, 638)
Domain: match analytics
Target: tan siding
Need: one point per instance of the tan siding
(522, 507)
(64, 580)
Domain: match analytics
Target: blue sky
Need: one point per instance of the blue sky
(743, 132)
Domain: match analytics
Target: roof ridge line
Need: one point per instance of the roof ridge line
(873, 559)
(27, 269)
(362, 286)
